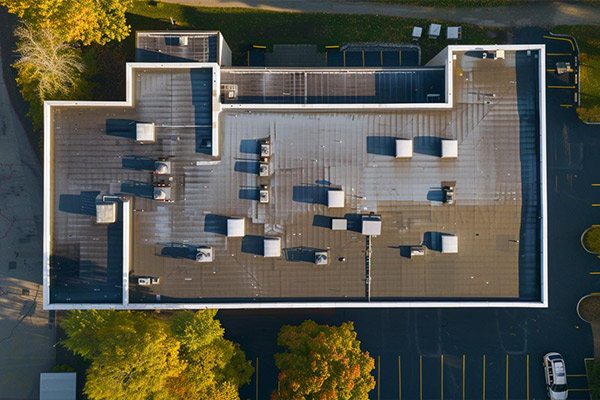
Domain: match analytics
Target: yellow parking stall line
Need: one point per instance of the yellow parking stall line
(332, 47)
(591, 273)
(399, 380)
(344, 58)
(560, 38)
(558, 54)
(363, 56)
(578, 390)
(421, 377)
(484, 377)
(258, 46)
(595, 184)
(400, 58)
(256, 378)
(378, 376)
(561, 87)
(595, 205)
(442, 378)
(576, 375)
(507, 377)
(527, 376)
(551, 70)
(566, 105)
(463, 382)
(381, 58)
(248, 57)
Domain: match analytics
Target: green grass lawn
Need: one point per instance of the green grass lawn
(588, 38)
(243, 27)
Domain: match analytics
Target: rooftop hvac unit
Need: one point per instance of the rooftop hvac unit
(321, 258)
(204, 254)
(144, 281)
(162, 167)
(264, 169)
(265, 148)
(272, 247)
(145, 132)
(417, 251)
(229, 92)
(162, 193)
(236, 227)
(263, 195)
(106, 213)
(183, 40)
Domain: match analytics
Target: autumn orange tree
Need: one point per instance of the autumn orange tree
(322, 362)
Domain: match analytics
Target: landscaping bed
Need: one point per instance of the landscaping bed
(588, 39)
(590, 240)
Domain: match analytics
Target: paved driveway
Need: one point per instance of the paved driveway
(26, 336)
(548, 13)
(497, 353)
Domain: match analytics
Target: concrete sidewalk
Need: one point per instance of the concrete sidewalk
(533, 14)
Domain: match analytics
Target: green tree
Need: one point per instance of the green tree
(88, 21)
(133, 355)
(136, 355)
(48, 68)
(216, 367)
(322, 362)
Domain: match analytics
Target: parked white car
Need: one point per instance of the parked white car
(556, 376)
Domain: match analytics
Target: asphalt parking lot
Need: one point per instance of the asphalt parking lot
(478, 353)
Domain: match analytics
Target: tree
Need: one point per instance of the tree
(133, 355)
(48, 68)
(322, 362)
(87, 21)
(216, 367)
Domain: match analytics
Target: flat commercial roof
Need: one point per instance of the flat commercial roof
(491, 109)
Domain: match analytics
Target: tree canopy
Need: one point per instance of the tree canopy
(136, 355)
(48, 68)
(88, 21)
(322, 362)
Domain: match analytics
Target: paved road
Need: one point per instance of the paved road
(26, 337)
(413, 347)
(533, 14)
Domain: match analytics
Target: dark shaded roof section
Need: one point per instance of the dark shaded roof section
(176, 47)
(96, 154)
(337, 87)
